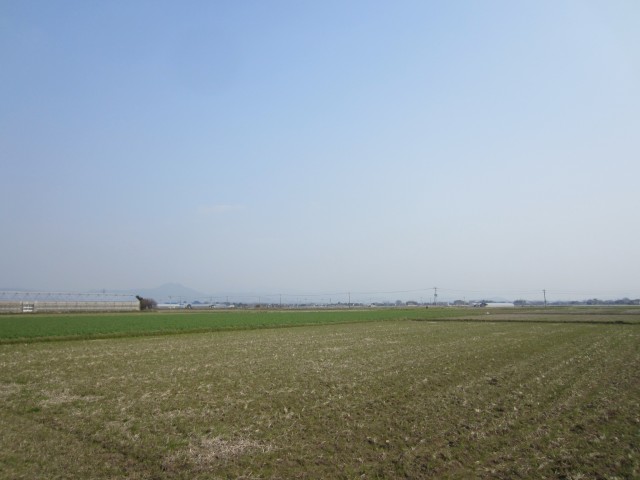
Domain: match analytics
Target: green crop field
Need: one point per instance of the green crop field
(504, 395)
(46, 327)
(39, 327)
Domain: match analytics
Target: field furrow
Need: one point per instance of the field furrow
(386, 399)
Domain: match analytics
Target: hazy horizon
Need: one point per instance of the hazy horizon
(181, 293)
(287, 147)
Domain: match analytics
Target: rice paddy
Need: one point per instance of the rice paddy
(383, 398)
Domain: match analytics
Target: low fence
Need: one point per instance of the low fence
(61, 307)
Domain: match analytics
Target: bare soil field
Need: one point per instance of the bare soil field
(553, 317)
(384, 399)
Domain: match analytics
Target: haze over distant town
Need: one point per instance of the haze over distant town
(487, 149)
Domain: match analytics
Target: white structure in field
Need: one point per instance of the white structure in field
(54, 302)
(60, 307)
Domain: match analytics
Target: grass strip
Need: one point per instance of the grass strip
(53, 327)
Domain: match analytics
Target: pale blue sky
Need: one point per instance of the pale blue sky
(244, 146)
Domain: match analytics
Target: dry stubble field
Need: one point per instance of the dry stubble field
(388, 399)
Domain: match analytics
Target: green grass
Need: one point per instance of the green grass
(382, 399)
(39, 327)
(47, 327)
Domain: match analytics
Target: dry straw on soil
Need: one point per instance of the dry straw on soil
(393, 399)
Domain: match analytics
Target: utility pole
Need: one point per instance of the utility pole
(544, 293)
(435, 296)
(349, 299)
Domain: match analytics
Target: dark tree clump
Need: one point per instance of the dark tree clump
(147, 303)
